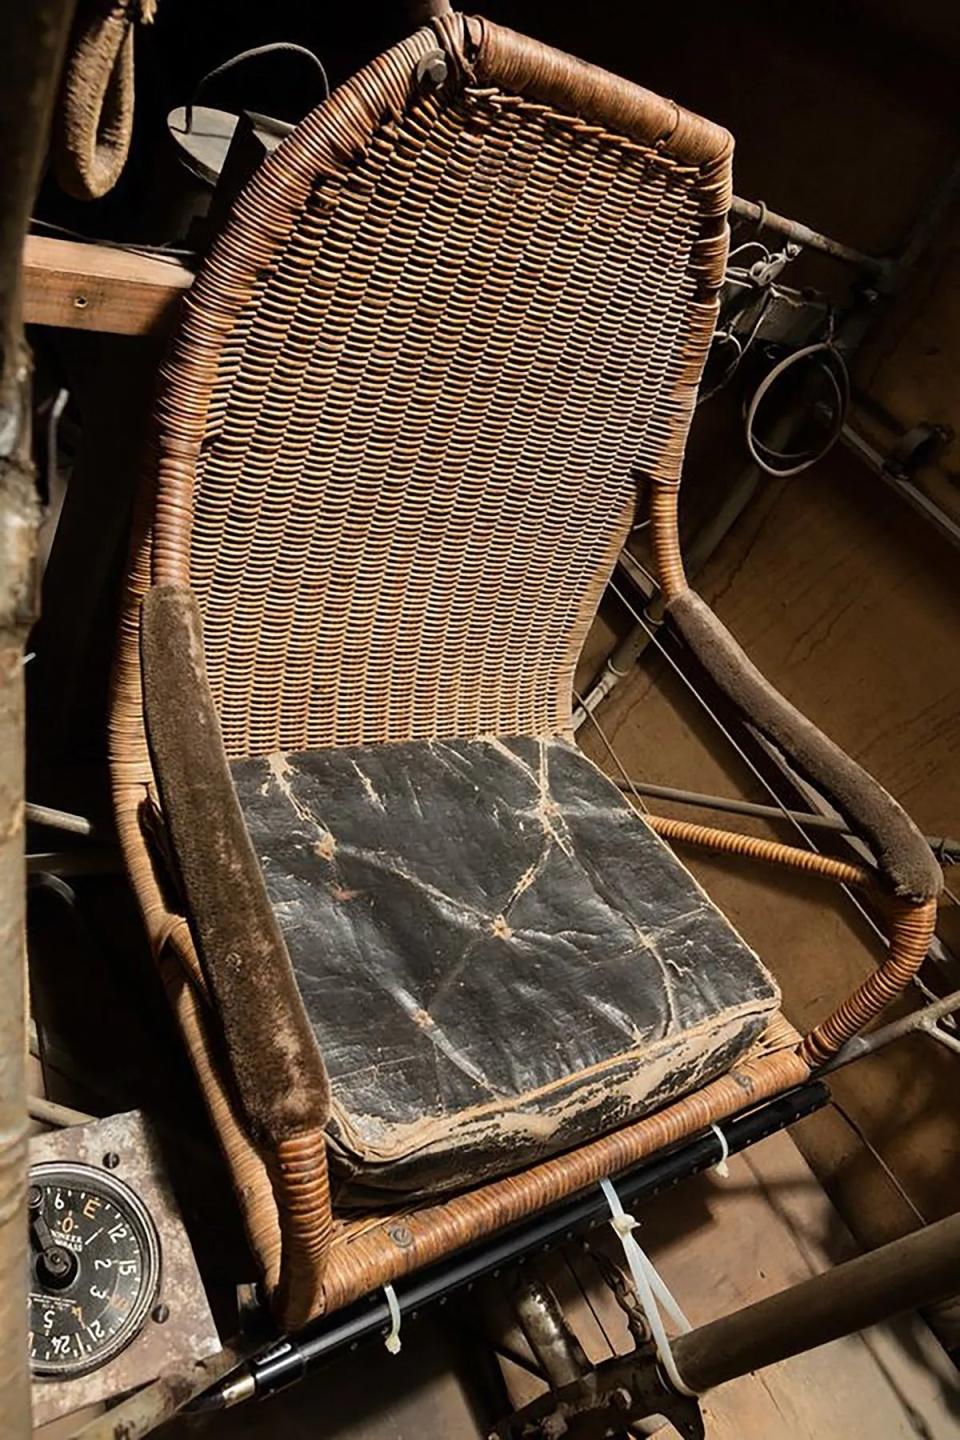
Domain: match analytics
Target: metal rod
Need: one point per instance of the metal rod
(734, 807)
(938, 843)
(766, 219)
(59, 1116)
(146, 1410)
(919, 1270)
(923, 1020)
(57, 819)
(74, 862)
(557, 1349)
(902, 486)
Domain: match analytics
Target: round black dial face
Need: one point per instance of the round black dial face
(94, 1267)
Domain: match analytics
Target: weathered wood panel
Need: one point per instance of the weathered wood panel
(98, 287)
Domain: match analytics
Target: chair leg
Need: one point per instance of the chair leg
(910, 936)
(301, 1184)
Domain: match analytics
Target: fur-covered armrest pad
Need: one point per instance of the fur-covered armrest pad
(278, 1072)
(903, 855)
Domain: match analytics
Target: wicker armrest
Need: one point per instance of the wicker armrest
(906, 864)
(904, 858)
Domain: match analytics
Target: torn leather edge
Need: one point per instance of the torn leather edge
(536, 1126)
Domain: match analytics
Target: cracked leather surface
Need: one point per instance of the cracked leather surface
(498, 957)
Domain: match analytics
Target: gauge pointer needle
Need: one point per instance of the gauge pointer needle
(39, 1229)
(55, 1263)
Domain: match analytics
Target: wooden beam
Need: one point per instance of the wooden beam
(96, 287)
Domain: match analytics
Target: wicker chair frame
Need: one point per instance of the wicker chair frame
(432, 641)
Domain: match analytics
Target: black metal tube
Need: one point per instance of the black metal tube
(918, 1270)
(291, 1357)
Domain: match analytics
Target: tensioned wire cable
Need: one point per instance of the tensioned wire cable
(608, 746)
(731, 739)
(611, 751)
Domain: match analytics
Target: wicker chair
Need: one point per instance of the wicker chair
(456, 322)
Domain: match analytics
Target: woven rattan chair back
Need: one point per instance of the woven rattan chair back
(446, 334)
(451, 327)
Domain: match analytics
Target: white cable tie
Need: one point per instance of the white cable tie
(649, 1285)
(721, 1167)
(392, 1339)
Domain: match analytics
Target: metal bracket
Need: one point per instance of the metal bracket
(932, 1025)
(685, 1415)
(916, 447)
(606, 1400)
(764, 272)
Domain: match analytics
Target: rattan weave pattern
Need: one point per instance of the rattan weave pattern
(397, 445)
(419, 454)
(416, 383)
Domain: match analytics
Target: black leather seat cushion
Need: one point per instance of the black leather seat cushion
(498, 957)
